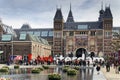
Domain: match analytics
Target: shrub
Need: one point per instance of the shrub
(45, 67)
(71, 72)
(41, 69)
(4, 70)
(66, 66)
(65, 69)
(5, 67)
(54, 76)
(76, 67)
(16, 67)
(35, 70)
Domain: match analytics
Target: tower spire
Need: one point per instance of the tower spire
(101, 12)
(108, 13)
(70, 5)
(109, 5)
(70, 16)
(58, 14)
(102, 5)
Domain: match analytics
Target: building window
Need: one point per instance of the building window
(58, 26)
(92, 33)
(100, 33)
(37, 33)
(50, 33)
(57, 34)
(82, 27)
(6, 37)
(22, 36)
(30, 32)
(82, 33)
(71, 33)
(107, 34)
(44, 33)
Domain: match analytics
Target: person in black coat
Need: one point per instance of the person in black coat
(108, 66)
(98, 68)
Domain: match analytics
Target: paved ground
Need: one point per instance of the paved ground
(99, 76)
(103, 75)
(112, 75)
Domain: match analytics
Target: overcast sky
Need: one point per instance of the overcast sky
(40, 13)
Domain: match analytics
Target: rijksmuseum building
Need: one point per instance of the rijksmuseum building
(68, 36)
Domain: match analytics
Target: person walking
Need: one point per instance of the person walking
(98, 68)
(116, 67)
(108, 66)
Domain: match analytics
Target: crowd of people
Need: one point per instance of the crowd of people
(76, 62)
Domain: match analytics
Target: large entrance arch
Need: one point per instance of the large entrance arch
(81, 51)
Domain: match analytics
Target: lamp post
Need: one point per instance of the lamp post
(5, 56)
(12, 47)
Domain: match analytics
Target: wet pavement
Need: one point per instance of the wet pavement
(99, 76)
(88, 73)
(25, 74)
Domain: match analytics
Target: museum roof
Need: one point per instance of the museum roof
(7, 29)
(83, 25)
(36, 39)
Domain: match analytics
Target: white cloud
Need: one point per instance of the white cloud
(40, 13)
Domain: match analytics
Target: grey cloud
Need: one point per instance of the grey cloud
(42, 11)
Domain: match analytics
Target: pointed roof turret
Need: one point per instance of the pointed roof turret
(101, 13)
(107, 13)
(58, 15)
(70, 16)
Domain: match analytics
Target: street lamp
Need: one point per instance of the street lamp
(5, 56)
(12, 47)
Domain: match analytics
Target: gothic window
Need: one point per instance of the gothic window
(58, 26)
(71, 33)
(99, 33)
(92, 33)
(82, 33)
(107, 34)
(57, 34)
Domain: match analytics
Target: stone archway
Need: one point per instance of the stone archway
(81, 51)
